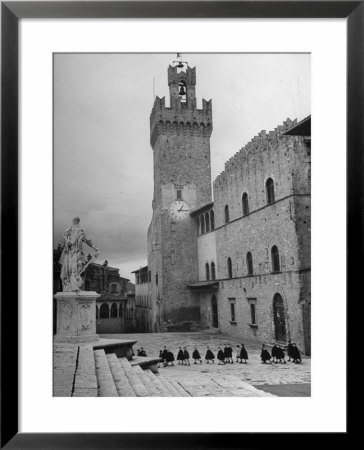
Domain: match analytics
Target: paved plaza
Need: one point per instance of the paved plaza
(296, 377)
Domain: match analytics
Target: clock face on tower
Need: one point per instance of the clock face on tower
(179, 210)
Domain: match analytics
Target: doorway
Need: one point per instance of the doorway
(279, 319)
(215, 314)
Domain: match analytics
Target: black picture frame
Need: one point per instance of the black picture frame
(11, 13)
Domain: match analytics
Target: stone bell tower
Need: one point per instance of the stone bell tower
(180, 139)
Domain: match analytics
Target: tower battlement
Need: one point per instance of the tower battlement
(182, 117)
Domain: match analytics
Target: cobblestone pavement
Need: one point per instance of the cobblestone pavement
(254, 372)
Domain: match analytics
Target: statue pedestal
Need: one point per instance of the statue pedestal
(76, 317)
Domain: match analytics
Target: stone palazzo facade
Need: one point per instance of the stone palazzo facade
(235, 258)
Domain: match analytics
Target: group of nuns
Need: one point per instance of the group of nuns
(225, 355)
(278, 356)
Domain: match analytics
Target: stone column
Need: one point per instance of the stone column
(76, 317)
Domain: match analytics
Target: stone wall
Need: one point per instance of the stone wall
(285, 223)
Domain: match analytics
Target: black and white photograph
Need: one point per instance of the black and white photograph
(181, 225)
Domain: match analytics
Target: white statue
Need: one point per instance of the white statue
(72, 259)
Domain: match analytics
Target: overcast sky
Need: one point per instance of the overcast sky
(103, 162)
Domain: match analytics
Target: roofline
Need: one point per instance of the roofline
(138, 270)
(298, 125)
(202, 209)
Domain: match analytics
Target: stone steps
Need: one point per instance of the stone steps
(133, 378)
(163, 392)
(85, 384)
(111, 377)
(147, 381)
(122, 384)
(105, 382)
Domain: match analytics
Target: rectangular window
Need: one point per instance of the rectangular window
(179, 194)
(114, 289)
(173, 227)
(173, 257)
(252, 313)
(232, 310)
(156, 279)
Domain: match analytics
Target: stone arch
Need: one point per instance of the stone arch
(114, 310)
(104, 311)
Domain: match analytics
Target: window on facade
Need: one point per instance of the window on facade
(114, 289)
(269, 187)
(156, 278)
(275, 259)
(179, 194)
(213, 272)
(249, 263)
(114, 310)
(207, 270)
(232, 311)
(207, 222)
(227, 216)
(198, 226)
(245, 204)
(253, 319)
(212, 220)
(121, 310)
(202, 224)
(229, 268)
(104, 311)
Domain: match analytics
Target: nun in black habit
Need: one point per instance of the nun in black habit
(180, 356)
(275, 353)
(170, 357)
(196, 356)
(296, 355)
(221, 356)
(209, 356)
(243, 354)
(186, 356)
(280, 354)
(164, 356)
(265, 355)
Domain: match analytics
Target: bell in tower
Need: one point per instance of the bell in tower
(182, 82)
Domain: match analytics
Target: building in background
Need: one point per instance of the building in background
(143, 305)
(239, 262)
(115, 291)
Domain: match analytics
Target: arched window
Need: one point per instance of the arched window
(202, 225)
(249, 263)
(207, 270)
(114, 310)
(213, 271)
(212, 220)
(227, 217)
(245, 203)
(198, 226)
(182, 91)
(269, 187)
(229, 268)
(104, 311)
(207, 222)
(275, 259)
